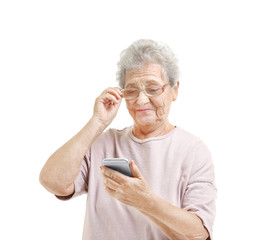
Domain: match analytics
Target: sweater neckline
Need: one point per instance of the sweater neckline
(135, 139)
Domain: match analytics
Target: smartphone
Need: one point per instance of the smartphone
(119, 164)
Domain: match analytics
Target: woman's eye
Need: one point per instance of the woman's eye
(131, 91)
(153, 89)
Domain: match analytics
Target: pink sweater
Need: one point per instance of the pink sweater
(177, 166)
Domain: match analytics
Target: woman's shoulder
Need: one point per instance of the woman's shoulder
(112, 133)
(189, 139)
(118, 132)
(186, 135)
(108, 138)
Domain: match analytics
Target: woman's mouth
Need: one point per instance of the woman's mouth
(146, 110)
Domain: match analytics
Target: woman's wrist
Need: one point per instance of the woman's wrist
(93, 129)
(151, 200)
(99, 124)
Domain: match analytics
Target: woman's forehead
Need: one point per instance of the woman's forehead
(148, 74)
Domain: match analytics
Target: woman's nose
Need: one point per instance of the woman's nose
(142, 98)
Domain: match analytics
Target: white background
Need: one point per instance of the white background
(57, 56)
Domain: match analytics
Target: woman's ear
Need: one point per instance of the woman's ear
(176, 91)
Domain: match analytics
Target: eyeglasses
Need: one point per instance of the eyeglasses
(132, 93)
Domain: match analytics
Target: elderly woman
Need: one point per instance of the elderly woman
(172, 193)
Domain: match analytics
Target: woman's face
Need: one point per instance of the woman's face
(149, 111)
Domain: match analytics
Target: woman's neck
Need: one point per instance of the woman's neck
(143, 132)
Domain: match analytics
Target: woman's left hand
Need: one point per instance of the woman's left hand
(133, 191)
(175, 223)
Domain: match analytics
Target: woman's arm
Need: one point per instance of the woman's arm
(174, 222)
(63, 166)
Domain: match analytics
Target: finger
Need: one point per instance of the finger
(110, 92)
(110, 183)
(114, 175)
(108, 99)
(115, 92)
(110, 191)
(134, 170)
(119, 91)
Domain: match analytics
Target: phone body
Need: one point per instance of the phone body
(119, 164)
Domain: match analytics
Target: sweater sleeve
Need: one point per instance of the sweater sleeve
(200, 193)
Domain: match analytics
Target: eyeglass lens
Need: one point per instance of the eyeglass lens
(132, 93)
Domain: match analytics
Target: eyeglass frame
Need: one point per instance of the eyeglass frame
(144, 91)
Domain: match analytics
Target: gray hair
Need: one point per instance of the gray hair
(145, 51)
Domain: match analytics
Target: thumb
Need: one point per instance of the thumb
(134, 170)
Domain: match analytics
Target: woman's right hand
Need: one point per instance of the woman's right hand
(107, 105)
(62, 167)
